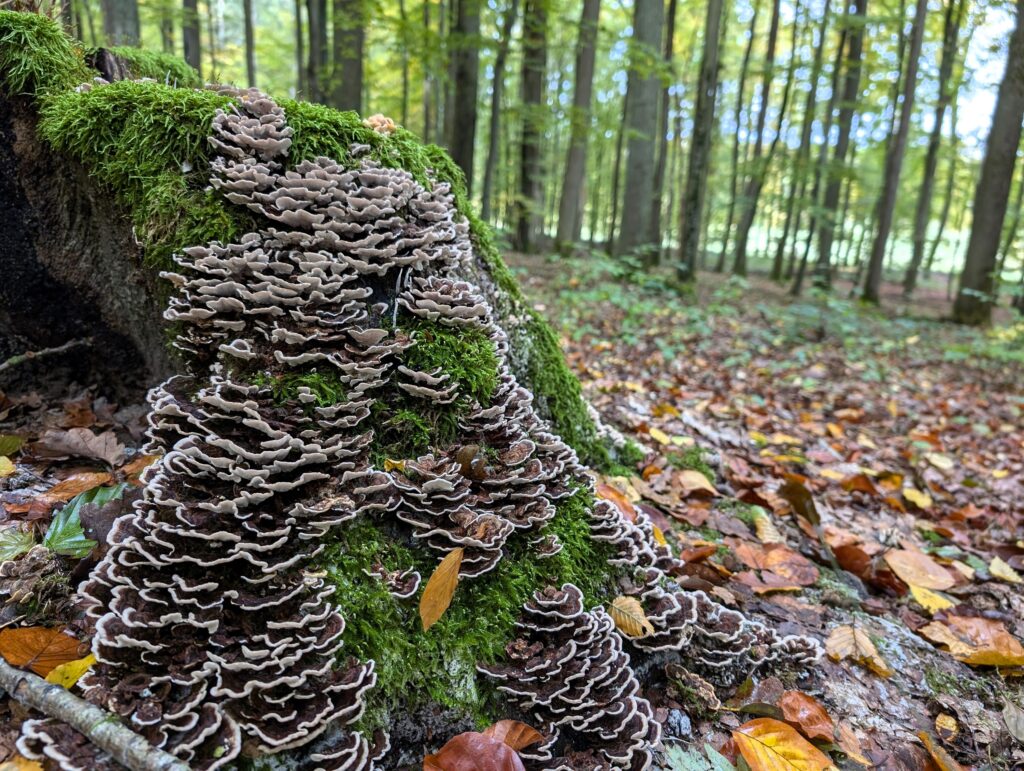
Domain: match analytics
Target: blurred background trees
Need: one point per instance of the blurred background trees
(807, 140)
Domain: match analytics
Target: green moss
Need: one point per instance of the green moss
(36, 56)
(691, 458)
(439, 666)
(325, 386)
(160, 66)
(467, 355)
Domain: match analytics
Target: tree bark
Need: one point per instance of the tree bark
(894, 161)
(250, 44)
(349, 24)
(620, 140)
(121, 22)
(464, 46)
(922, 214)
(692, 209)
(660, 169)
(974, 299)
(300, 51)
(570, 207)
(497, 92)
(643, 86)
(848, 106)
(316, 13)
(530, 205)
(190, 34)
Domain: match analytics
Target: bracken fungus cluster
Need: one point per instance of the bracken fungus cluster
(214, 635)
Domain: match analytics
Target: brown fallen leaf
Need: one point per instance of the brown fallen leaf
(62, 492)
(21, 763)
(789, 564)
(806, 713)
(942, 759)
(440, 588)
(849, 742)
(771, 745)
(849, 642)
(917, 568)
(41, 649)
(1013, 716)
(628, 615)
(472, 751)
(691, 482)
(513, 733)
(976, 641)
(81, 443)
(616, 496)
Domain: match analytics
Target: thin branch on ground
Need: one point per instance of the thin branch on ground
(21, 358)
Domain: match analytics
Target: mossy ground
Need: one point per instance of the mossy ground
(416, 668)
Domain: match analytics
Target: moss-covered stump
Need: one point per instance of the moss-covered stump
(363, 394)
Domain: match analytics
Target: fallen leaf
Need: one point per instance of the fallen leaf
(931, 601)
(976, 641)
(15, 541)
(616, 496)
(999, 569)
(692, 482)
(81, 443)
(440, 588)
(801, 500)
(771, 745)
(765, 527)
(946, 727)
(66, 675)
(807, 714)
(918, 498)
(942, 758)
(628, 615)
(136, 466)
(659, 436)
(41, 649)
(850, 642)
(918, 569)
(6, 466)
(850, 744)
(10, 444)
(513, 733)
(791, 565)
(472, 751)
(1013, 716)
(21, 763)
(940, 461)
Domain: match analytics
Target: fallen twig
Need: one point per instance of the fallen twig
(100, 727)
(29, 355)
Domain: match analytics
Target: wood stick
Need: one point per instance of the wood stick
(101, 728)
(29, 355)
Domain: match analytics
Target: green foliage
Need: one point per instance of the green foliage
(679, 759)
(36, 56)
(15, 541)
(439, 666)
(691, 458)
(65, 535)
(325, 386)
(467, 355)
(162, 67)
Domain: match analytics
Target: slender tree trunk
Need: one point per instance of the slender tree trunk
(464, 44)
(570, 207)
(894, 161)
(692, 209)
(121, 22)
(735, 173)
(166, 28)
(300, 51)
(250, 43)
(497, 89)
(190, 34)
(1010, 237)
(211, 38)
(530, 204)
(406, 44)
(848, 106)
(617, 172)
(349, 24)
(947, 197)
(661, 167)
(759, 167)
(553, 153)
(977, 280)
(317, 28)
(643, 87)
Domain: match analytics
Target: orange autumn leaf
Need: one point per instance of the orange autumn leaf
(691, 482)
(617, 497)
(64, 490)
(943, 759)
(806, 713)
(918, 569)
(134, 468)
(791, 565)
(440, 588)
(41, 649)
(472, 751)
(852, 643)
(976, 641)
(513, 733)
(771, 745)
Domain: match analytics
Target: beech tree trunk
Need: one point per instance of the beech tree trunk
(974, 299)
(190, 34)
(530, 205)
(644, 87)
(465, 51)
(121, 22)
(570, 207)
(349, 38)
(497, 92)
(250, 44)
(692, 210)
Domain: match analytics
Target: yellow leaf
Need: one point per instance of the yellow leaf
(999, 569)
(771, 745)
(21, 763)
(835, 430)
(779, 438)
(946, 727)
(758, 438)
(66, 675)
(6, 467)
(629, 617)
(683, 441)
(980, 642)
(691, 482)
(850, 642)
(833, 474)
(438, 593)
(918, 498)
(940, 461)
(659, 536)
(915, 567)
(1000, 473)
(943, 760)
(929, 600)
(865, 441)
(964, 569)
(765, 528)
(659, 436)
(394, 465)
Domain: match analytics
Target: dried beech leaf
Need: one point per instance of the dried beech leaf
(765, 527)
(616, 496)
(1013, 716)
(472, 751)
(513, 733)
(931, 601)
(66, 675)
(976, 641)
(628, 615)
(771, 745)
(1000, 569)
(849, 742)
(942, 759)
(438, 593)
(6, 466)
(917, 568)
(692, 482)
(81, 443)
(76, 484)
(849, 642)
(918, 498)
(791, 565)
(38, 648)
(807, 714)
(21, 763)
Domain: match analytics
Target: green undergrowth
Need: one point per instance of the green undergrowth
(160, 66)
(36, 56)
(326, 387)
(417, 668)
(691, 458)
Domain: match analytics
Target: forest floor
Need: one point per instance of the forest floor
(905, 436)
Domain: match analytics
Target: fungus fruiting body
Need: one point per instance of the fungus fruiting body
(215, 633)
